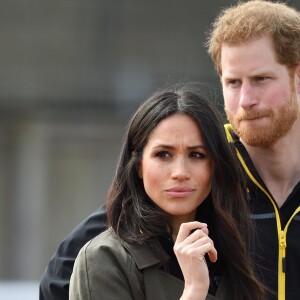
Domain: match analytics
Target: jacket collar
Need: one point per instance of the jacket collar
(144, 255)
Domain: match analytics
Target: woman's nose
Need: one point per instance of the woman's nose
(180, 170)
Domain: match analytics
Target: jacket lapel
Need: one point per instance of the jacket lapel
(157, 283)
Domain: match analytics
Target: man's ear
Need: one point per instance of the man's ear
(297, 75)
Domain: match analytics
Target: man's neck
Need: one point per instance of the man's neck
(279, 164)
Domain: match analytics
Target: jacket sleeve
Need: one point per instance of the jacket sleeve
(54, 284)
(104, 270)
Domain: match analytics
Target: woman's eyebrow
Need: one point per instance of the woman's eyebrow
(166, 146)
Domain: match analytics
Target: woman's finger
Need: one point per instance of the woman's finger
(200, 245)
(195, 235)
(186, 228)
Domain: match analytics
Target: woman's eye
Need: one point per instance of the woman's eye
(162, 154)
(197, 155)
(166, 154)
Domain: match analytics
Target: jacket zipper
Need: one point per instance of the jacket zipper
(282, 244)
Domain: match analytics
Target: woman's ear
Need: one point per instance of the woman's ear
(140, 170)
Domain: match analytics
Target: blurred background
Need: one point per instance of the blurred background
(71, 74)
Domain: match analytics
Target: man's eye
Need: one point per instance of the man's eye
(232, 82)
(261, 78)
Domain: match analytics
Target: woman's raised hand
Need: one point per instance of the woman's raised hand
(191, 245)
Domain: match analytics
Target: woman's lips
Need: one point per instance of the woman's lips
(180, 192)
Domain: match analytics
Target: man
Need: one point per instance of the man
(256, 49)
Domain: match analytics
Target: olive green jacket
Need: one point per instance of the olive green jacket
(107, 269)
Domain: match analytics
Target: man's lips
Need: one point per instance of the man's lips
(252, 116)
(180, 191)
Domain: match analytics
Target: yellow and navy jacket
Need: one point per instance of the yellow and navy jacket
(277, 246)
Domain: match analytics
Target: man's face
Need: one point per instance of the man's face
(260, 99)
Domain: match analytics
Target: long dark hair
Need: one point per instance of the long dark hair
(136, 219)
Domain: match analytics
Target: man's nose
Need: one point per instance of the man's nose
(247, 95)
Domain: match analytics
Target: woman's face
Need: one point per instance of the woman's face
(176, 167)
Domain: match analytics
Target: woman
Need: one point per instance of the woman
(176, 197)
